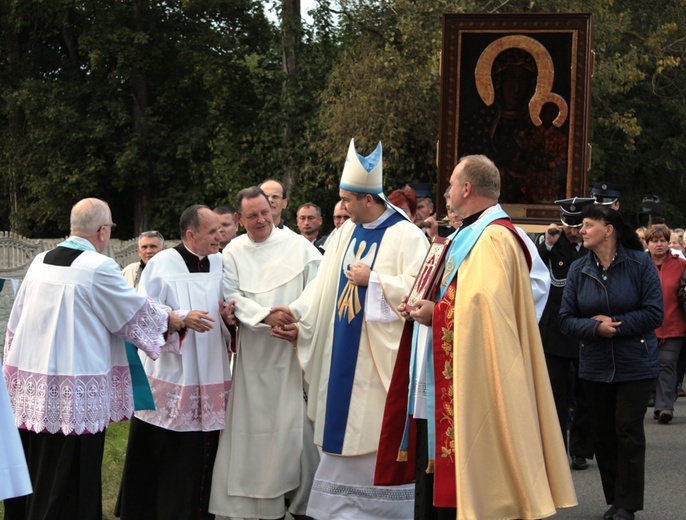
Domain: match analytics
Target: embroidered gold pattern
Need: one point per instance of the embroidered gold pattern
(447, 394)
(449, 268)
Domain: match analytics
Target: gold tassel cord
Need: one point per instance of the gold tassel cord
(349, 301)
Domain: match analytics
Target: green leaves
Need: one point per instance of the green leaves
(154, 106)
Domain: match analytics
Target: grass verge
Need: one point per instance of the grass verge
(112, 467)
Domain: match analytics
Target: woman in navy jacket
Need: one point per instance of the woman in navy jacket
(613, 303)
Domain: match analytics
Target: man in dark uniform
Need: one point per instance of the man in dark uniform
(558, 249)
(607, 194)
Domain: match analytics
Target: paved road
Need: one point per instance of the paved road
(665, 492)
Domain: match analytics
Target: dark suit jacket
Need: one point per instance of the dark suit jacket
(558, 260)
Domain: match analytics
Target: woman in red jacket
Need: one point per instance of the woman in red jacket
(673, 330)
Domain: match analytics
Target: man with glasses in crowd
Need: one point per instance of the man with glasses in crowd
(276, 193)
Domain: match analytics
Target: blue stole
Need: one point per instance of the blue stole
(142, 395)
(462, 242)
(348, 319)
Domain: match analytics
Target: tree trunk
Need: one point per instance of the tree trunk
(291, 33)
(16, 118)
(140, 93)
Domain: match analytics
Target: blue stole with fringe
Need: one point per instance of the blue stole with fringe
(348, 319)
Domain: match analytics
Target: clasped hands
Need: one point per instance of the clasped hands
(282, 323)
(422, 313)
(201, 321)
(607, 328)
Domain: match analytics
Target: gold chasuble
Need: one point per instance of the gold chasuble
(510, 461)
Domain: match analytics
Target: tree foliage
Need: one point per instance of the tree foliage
(149, 105)
(386, 87)
(154, 105)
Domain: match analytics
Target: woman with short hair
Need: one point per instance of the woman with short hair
(613, 302)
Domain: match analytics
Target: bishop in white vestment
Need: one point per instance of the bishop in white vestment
(349, 333)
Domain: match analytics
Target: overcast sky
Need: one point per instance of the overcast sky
(305, 5)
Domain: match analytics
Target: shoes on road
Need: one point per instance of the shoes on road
(680, 392)
(623, 514)
(579, 463)
(656, 414)
(665, 416)
(610, 513)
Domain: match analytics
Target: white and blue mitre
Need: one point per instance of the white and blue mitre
(365, 174)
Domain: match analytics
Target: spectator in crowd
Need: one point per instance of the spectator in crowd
(267, 450)
(425, 206)
(149, 244)
(276, 193)
(641, 234)
(309, 220)
(674, 242)
(671, 333)
(228, 223)
(66, 367)
(607, 194)
(406, 200)
(447, 226)
(612, 302)
(171, 450)
(340, 215)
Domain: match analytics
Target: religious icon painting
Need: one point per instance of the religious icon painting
(516, 88)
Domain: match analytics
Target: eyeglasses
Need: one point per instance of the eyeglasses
(112, 225)
(339, 217)
(274, 197)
